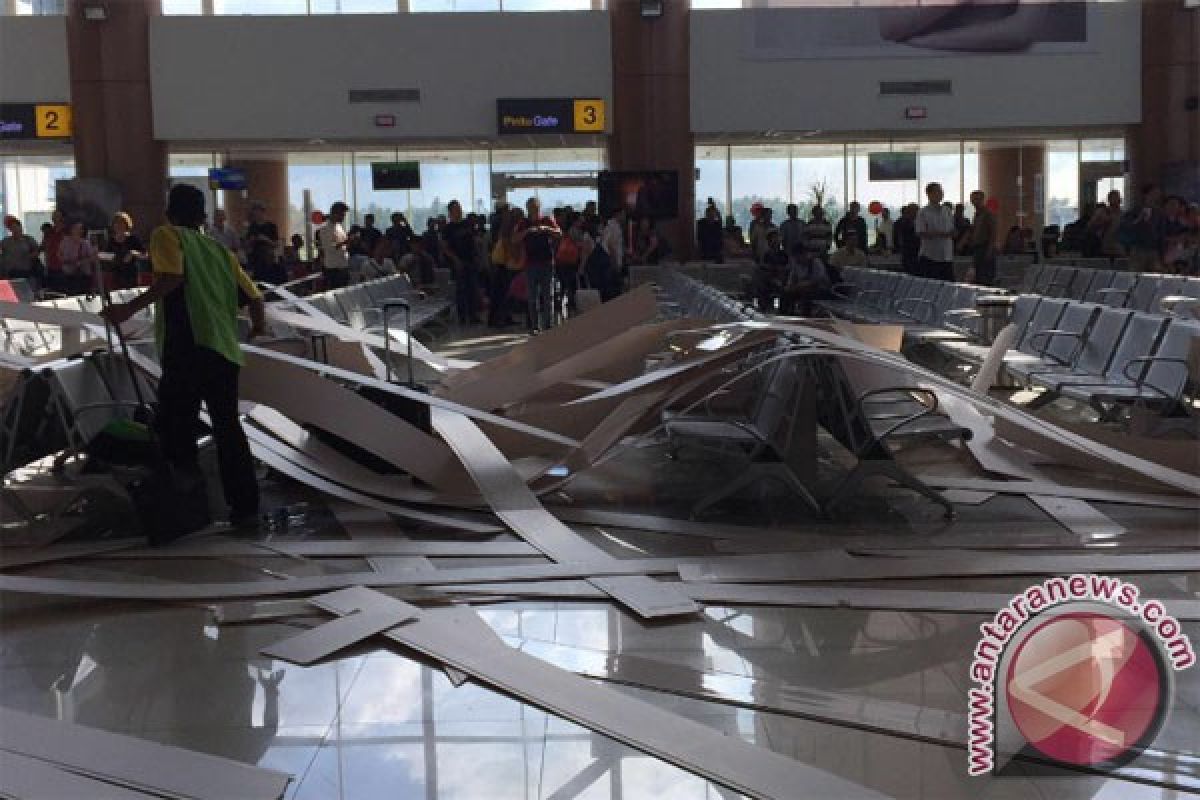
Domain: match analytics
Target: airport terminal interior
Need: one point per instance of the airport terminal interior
(599, 399)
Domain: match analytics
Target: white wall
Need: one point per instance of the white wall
(1100, 85)
(33, 60)
(247, 78)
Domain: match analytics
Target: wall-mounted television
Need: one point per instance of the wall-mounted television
(892, 166)
(387, 175)
(653, 194)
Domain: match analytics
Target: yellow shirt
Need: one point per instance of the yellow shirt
(166, 257)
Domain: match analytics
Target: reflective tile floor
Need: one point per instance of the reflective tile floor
(875, 697)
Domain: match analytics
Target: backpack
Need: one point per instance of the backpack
(568, 252)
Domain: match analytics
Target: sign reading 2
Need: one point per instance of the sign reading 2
(53, 121)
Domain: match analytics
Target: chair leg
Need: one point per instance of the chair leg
(746, 478)
(789, 480)
(849, 484)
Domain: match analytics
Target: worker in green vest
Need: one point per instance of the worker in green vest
(195, 294)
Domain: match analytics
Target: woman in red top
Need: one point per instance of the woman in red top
(51, 240)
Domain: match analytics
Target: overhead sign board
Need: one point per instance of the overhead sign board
(228, 178)
(35, 121)
(532, 115)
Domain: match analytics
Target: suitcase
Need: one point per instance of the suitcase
(412, 411)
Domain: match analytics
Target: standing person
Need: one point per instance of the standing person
(539, 236)
(853, 221)
(983, 241)
(935, 228)
(885, 240)
(791, 232)
(460, 253)
(568, 260)
(18, 253)
(127, 250)
(1144, 229)
(195, 298)
(78, 259)
(334, 243)
(612, 242)
(503, 221)
(818, 234)
(649, 247)
(908, 244)
(760, 229)
(51, 240)
(1110, 243)
(710, 237)
(262, 247)
(223, 232)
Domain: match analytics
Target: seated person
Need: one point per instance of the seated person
(418, 264)
(769, 276)
(735, 242)
(850, 254)
(807, 279)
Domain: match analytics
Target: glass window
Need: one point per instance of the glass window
(182, 7)
(898, 193)
(184, 165)
(546, 5)
(27, 187)
(759, 174)
(940, 162)
(713, 164)
(819, 168)
(326, 175)
(246, 7)
(353, 6)
(970, 168)
(38, 8)
(1061, 182)
(707, 5)
(444, 177)
(1102, 150)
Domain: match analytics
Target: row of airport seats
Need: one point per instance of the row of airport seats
(1140, 291)
(865, 418)
(1107, 357)
(361, 306)
(925, 306)
(33, 339)
(691, 297)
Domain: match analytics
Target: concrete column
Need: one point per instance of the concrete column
(111, 101)
(1168, 137)
(267, 183)
(651, 119)
(1007, 173)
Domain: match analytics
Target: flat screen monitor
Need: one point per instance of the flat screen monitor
(653, 194)
(395, 175)
(892, 166)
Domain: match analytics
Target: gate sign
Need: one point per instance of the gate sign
(35, 121)
(532, 115)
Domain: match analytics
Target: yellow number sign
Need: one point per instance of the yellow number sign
(53, 121)
(589, 116)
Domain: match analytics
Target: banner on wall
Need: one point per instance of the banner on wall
(900, 29)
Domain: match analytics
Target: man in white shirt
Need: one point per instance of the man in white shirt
(613, 240)
(333, 247)
(935, 228)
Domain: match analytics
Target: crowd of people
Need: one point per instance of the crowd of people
(516, 262)
(796, 261)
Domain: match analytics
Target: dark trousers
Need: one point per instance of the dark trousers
(498, 311)
(466, 293)
(938, 270)
(985, 267)
(568, 285)
(336, 278)
(203, 375)
(798, 300)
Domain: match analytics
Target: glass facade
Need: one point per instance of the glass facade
(27, 186)
(739, 176)
(469, 176)
(303, 7)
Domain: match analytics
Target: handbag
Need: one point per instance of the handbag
(568, 252)
(499, 253)
(519, 288)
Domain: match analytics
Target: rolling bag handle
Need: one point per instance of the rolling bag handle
(387, 306)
